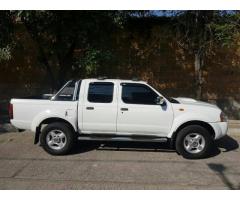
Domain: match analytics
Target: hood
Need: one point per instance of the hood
(190, 101)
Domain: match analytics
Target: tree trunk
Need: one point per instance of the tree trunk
(198, 74)
(62, 74)
(50, 75)
(65, 63)
(42, 57)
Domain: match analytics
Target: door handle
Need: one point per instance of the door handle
(124, 109)
(90, 108)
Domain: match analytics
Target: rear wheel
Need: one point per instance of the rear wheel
(57, 138)
(194, 142)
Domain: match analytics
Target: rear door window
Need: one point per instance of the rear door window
(100, 92)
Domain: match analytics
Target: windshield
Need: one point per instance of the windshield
(170, 99)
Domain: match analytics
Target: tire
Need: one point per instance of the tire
(57, 138)
(194, 142)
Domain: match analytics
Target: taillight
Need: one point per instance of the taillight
(10, 111)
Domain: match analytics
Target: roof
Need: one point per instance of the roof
(115, 80)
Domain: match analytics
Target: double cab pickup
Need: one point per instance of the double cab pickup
(118, 110)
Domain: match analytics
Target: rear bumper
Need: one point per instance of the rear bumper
(220, 129)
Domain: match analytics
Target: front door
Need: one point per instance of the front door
(100, 108)
(139, 113)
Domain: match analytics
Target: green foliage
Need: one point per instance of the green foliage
(201, 30)
(92, 60)
(227, 28)
(83, 43)
(6, 35)
(59, 33)
(5, 53)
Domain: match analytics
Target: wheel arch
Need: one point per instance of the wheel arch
(49, 121)
(56, 119)
(193, 122)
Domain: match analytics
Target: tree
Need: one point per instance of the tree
(6, 35)
(198, 31)
(59, 34)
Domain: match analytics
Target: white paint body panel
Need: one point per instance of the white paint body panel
(144, 119)
(103, 118)
(28, 114)
(108, 118)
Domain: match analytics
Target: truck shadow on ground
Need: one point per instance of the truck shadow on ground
(84, 146)
(223, 145)
(2, 129)
(221, 171)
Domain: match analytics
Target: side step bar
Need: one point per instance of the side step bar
(123, 138)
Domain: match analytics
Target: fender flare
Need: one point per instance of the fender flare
(48, 115)
(188, 123)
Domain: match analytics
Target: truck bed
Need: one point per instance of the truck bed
(28, 111)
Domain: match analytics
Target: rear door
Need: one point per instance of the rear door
(100, 107)
(139, 112)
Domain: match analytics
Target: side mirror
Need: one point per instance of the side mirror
(160, 101)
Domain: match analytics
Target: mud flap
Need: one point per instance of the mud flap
(37, 135)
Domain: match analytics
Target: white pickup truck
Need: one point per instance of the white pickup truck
(119, 110)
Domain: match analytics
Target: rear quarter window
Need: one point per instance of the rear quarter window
(66, 93)
(100, 92)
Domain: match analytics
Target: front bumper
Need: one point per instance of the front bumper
(220, 129)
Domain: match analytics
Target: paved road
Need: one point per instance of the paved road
(115, 166)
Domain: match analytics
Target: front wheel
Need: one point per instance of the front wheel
(57, 138)
(194, 142)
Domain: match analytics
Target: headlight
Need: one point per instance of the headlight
(223, 117)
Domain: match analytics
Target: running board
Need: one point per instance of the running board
(122, 138)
